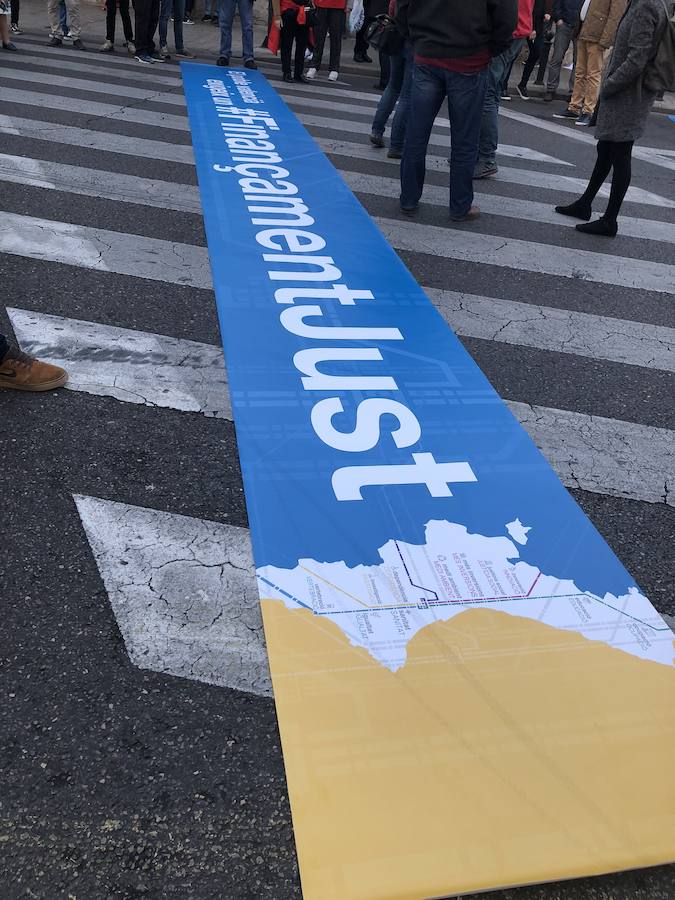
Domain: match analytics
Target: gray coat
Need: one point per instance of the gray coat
(624, 103)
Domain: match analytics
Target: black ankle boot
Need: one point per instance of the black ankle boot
(602, 226)
(577, 210)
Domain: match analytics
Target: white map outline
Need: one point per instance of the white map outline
(382, 607)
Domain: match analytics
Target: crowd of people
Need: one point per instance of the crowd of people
(452, 51)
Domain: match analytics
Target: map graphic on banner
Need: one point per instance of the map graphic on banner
(472, 692)
(381, 608)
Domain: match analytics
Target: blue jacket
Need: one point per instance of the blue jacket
(568, 11)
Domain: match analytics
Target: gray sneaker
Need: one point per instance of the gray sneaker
(184, 54)
(485, 169)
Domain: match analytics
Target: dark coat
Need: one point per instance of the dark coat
(624, 102)
(568, 11)
(458, 28)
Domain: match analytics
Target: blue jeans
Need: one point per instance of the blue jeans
(226, 10)
(489, 132)
(465, 94)
(63, 17)
(167, 7)
(391, 94)
(400, 124)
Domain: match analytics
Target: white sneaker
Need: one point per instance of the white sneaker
(309, 53)
(311, 74)
(333, 76)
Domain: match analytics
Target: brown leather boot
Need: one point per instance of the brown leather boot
(21, 372)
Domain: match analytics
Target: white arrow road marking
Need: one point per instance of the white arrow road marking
(183, 592)
(526, 256)
(606, 456)
(132, 366)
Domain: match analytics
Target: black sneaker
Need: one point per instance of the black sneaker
(250, 64)
(362, 58)
(54, 41)
(8, 45)
(377, 140)
(77, 44)
(584, 120)
(395, 154)
(567, 114)
(522, 91)
(206, 18)
(16, 29)
(223, 61)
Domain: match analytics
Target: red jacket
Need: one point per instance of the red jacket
(524, 26)
(330, 4)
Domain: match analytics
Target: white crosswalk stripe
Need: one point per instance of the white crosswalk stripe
(491, 250)
(154, 370)
(151, 561)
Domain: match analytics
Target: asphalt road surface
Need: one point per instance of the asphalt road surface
(134, 766)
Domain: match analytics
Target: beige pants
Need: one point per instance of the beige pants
(590, 61)
(73, 9)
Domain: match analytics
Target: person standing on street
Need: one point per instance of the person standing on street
(624, 105)
(541, 16)
(5, 30)
(499, 66)
(566, 16)
(226, 10)
(453, 42)
(599, 21)
(396, 95)
(56, 33)
(330, 20)
(291, 17)
(21, 372)
(108, 45)
(176, 8)
(147, 19)
(15, 6)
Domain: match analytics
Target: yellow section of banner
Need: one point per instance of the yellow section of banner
(504, 752)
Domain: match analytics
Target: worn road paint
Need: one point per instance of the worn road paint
(183, 592)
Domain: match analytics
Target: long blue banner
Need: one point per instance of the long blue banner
(402, 520)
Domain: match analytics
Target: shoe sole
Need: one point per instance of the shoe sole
(36, 388)
(486, 174)
(521, 95)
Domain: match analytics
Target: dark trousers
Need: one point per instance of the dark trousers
(290, 32)
(4, 346)
(332, 22)
(147, 19)
(15, 12)
(535, 56)
(111, 16)
(361, 45)
(465, 95)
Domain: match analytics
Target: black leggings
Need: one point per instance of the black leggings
(611, 155)
(111, 15)
(15, 12)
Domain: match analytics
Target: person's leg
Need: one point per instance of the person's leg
(336, 25)
(582, 208)
(154, 22)
(595, 60)
(126, 21)
(576, 104)
(391, 94)
(573, 70)
(288, 29)
(141, 19)
(320, 32)
(165, 12)
(533, 58)
(385, 70)
(63, 17)
(15, 7)
(489, 130)
(74, 29)
(110, 17)
(178, 16)
(361, 44)
(427, 95)
(400, 124)
(561, 41)
(53, 16)
(246, 17)
(225, 16)
(301, 37)
(619, 154)
(466, 95)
